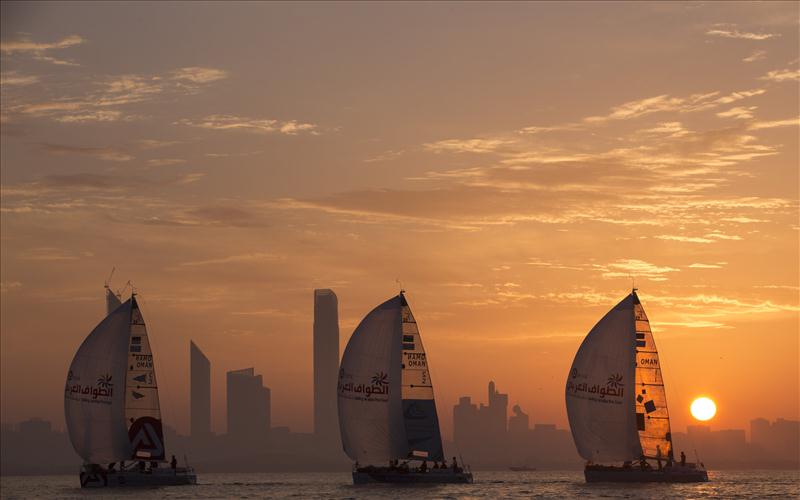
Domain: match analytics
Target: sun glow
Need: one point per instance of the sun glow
(703, 409)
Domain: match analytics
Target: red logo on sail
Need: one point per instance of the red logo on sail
(147, 439)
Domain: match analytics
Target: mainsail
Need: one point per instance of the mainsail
(111, 398)
(615, 396)
(385, 395)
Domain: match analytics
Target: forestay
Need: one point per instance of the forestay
(600, 389)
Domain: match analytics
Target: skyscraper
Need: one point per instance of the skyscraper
(326, 365)
(200, 392)
(248, 404)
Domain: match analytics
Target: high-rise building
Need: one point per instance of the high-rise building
(200, 392)
(326, 365)
(248, 404)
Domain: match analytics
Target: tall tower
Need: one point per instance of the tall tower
(248, 405)
(326, 365)
(200, 392)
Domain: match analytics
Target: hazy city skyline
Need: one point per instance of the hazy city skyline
(514, 179)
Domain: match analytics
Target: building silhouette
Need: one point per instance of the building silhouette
(248, 405)
(326, 365)
(199, 392)
(777, 439)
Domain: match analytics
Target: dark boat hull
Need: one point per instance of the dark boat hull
(674, 474)
(434, 476)
(136, 478)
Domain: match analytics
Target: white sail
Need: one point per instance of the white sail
(369, 396)
(111, 397)
(142, 408)
(94, 396)
(419, 406)
(652, 417)
(600, 389)
(112, 301)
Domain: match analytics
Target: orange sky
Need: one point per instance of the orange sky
(514, 165)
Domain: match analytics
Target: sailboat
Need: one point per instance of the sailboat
(617, 406)
(112, 409)
(387, 413)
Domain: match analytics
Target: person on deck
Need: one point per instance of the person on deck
(455, 466)
(683, 459)
(173, 463)
(111, 467)
(424, 466)
(141, 465)
(444, 463)
(658, 456)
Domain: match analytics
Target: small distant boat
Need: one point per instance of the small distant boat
(522, 468)
(387, 413)
(617, 406)
(112, 408)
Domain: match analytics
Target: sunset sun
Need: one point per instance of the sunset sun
(703, 409)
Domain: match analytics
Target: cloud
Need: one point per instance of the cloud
(190, 178)
(231, 259)
(155, 143)
(7, 286)
(635, 268)
(739, 113)
(198, 74)
(782, 75)
(756, 55)
(698, 265)
(108, 154)
(164, 162)
(38, 50)
(466, 145)
(47, 254)
(744, 35)
(788, 122)
(13, 78)
(90, 116)
(665, 102)
(684, 239)
(103, 100)
(259, 126)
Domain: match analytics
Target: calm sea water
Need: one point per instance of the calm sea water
(537, 484)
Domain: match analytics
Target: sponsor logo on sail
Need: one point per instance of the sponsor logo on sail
(146, 437)
(377, 389)
(613, 388)
(101, 392)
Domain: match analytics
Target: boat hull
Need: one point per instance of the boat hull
(434, 476)
(674, 474)
(136, 478)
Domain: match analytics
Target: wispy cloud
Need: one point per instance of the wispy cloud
(466, 145)
(782, 75)
(164, 162)
(788, 122)
(231, 259)
(756, 55)
(198, 74)
(253, 125)
(744, 35)
(7, 286)
(13, 78)
(90, 116)
(698, 265)
(665, 103)
(39, 50)
(684, 239)
(635, 268)
(108, 154)
(739, 112)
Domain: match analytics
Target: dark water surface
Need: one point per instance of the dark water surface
(490, 485)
